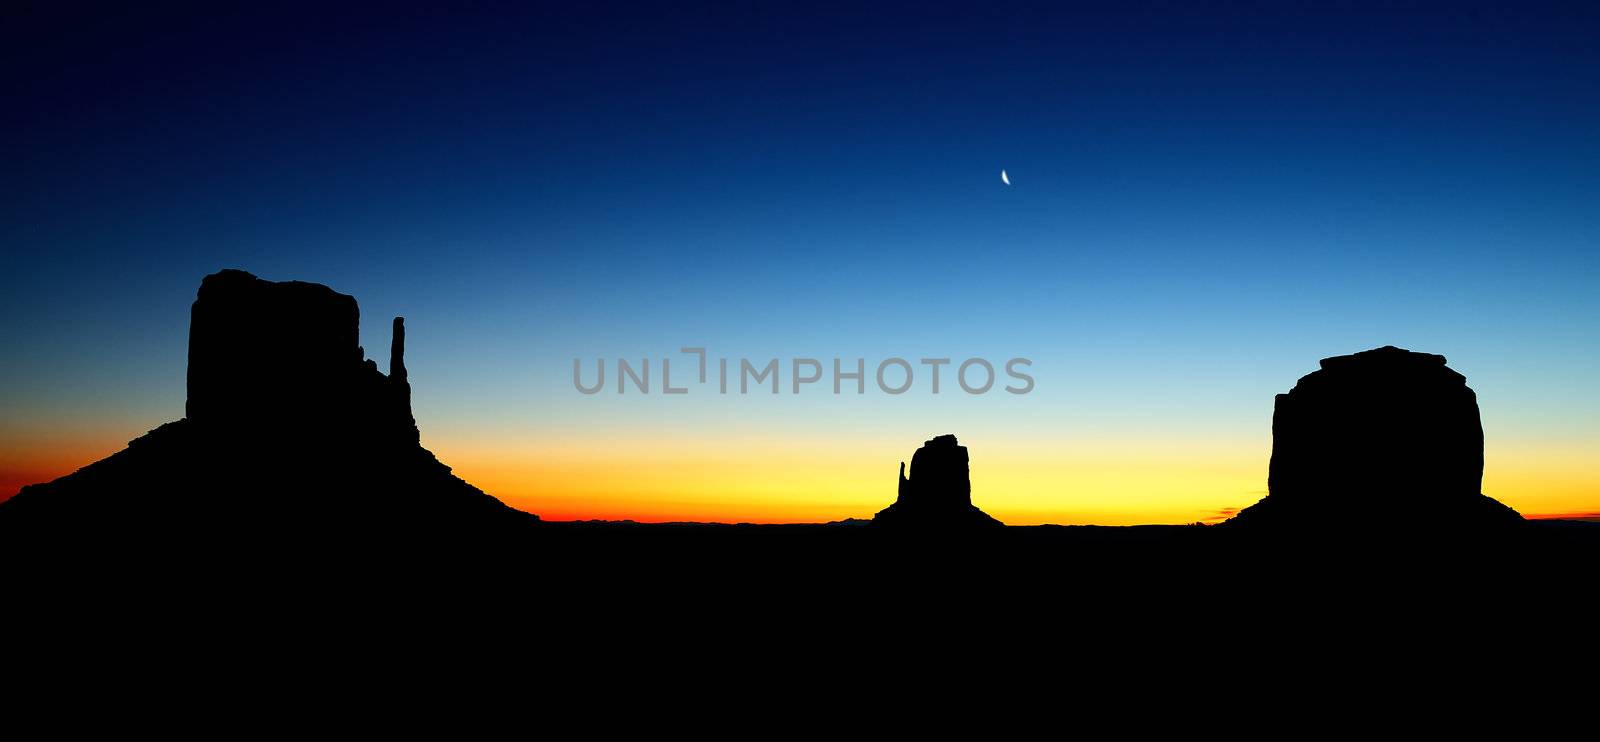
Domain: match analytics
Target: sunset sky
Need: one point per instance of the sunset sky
(1203, 203)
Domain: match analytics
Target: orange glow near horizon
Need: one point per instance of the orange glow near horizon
(811, 480)
(35, 457)
(1022, 483)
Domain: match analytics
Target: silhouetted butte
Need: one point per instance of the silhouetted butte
(1381, 440)
(292, 441)
(938, 494)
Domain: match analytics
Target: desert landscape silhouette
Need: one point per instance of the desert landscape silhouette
(295, 449)
(1234, 244)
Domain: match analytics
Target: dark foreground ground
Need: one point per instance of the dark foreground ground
(1053, 563)
(588, 574)
(753, 558)
(834, 614)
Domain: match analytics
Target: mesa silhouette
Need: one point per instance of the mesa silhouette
(293, 442)
(1385, 440)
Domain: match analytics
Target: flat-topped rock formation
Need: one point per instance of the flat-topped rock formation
(1385, 438)
(938, 493)
(292, 439)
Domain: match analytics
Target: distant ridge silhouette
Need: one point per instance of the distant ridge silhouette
(1381, 440)
(292, 442)
(938, 494)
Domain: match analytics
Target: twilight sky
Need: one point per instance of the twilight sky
(1204, 202)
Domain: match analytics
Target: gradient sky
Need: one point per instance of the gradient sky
(1205, 202)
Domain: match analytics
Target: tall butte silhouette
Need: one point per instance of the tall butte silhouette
(291, 439)
(1384, 439)
(938, 494)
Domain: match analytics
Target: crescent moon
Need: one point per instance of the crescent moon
(1004, 179)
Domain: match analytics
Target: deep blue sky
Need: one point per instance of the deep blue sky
(1206, 200)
